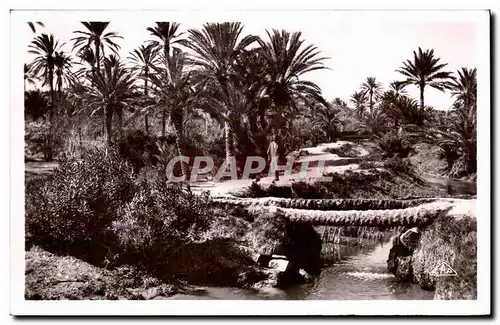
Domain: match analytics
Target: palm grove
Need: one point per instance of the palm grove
(219, 92)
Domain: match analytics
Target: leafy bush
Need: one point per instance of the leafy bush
(399, 165)
(367, 164)
(394, 144)
(139, 149)
(346, 150)
(39, 140)
(77, 204)
(159, 212)
(305, 190)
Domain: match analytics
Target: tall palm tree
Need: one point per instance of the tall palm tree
(371, 88)
(359, 100)
(45, 48)
(95, 35)
(144, 59)
(32, 25)
(113, 88)
(62, 64)
(168, 35)
(216, 49)
(464, 89)
(425, 70)
(88, 61)
(287, 59)
(173, 86)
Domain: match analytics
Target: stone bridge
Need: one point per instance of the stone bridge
(347, 212)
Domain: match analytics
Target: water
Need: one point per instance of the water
(453, 186)
(355, 274)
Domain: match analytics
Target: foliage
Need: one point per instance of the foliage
(75, 207)
(36, 104)
(138, 149)
(394, 144)
(345, 150)
(425, 70)
(399, 165)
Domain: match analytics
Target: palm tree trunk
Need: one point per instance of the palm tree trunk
(97, 54)
(180, 145)
(146, 122)
(228, 134)
(108, 120)
(422, 86)
(371, 102)
(163, 120)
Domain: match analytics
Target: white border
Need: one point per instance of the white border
(21, 307)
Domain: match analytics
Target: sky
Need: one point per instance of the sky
(357, 47)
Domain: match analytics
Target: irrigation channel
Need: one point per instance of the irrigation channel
(353, 270)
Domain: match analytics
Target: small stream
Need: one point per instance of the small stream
(355, 273)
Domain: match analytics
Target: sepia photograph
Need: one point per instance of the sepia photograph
(248, 157)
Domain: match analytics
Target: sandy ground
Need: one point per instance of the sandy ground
(313, 173)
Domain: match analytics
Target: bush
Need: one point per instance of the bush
(76, 205)
(160, 212)
(399, 165)
(346, 150)
(367, 164)
(38, 140)
(394, 144)
(139, 149)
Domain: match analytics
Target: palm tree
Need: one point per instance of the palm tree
(372, 89)
(374, 122)
(287, 60)
(406, 110)
(112, 90)
(95, 34)
(144, 59)
(359, 100)
(217, 47)
(464, 89)
(62, 64)
(173, 86)
(167, 33)
(398, 88)
(45, 48)
(35, 104)
(87, 57)
(32, 25)
(28, 76)
(425, 70)
(327, 119)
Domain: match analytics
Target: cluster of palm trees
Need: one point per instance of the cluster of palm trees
(252, 86)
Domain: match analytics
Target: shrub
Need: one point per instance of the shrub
(305, 190)
(139, 149)
(345, 150)
(367, 164)
(77, 204)
(38, 140)
(399, 165)
(394, 144)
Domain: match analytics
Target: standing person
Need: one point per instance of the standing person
(272, 153)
